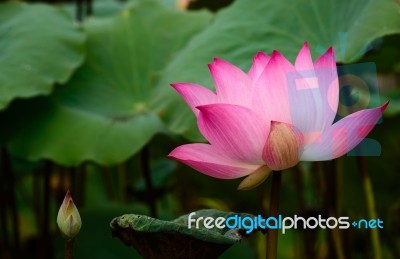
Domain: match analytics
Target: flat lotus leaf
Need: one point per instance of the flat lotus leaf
(103, 113)
(100, 8)
(246, 27)
(154, 238)
(104, 8)
(39, 46)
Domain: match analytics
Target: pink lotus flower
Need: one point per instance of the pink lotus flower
(270, 118)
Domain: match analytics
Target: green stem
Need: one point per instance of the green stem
(81, 185)
(89, 7)
(108, 183)
(369, 194)
(69, 249)
(11, 198)
(331, 171)
(5, 245)
(46, 246)
(123, 181)
(79, 10)
(37, 208)
(151, 199)
(301, 201)
(272, 236)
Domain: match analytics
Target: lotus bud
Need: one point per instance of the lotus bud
(283, 146)
(68, 218)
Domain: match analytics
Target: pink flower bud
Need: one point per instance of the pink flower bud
(68, 218)
(283, 145)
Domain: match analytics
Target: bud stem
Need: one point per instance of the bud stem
(69, 249)
(272, 236)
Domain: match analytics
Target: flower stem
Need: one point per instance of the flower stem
(108, 183)
(69, 249)
(89, 7)
(46, 243)
(79, 10)
(272, 236)
(123, 180)
(151, 199)
(369, 194)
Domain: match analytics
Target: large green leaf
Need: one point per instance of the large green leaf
(103, 8)
(103, 113)
(100, 8)
(246, 27)
(39, 46)
(154, 238)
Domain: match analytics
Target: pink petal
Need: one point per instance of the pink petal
(235, 131)
(270, 96)
(304, 94)
(343, 136)
(309, 94)
(326, 72)
(195, 95)
(233, 86)
(304, 60)
(259, 62)
(303, 106)
(205, 159)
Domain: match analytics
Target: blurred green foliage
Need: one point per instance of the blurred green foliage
(40, 47)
